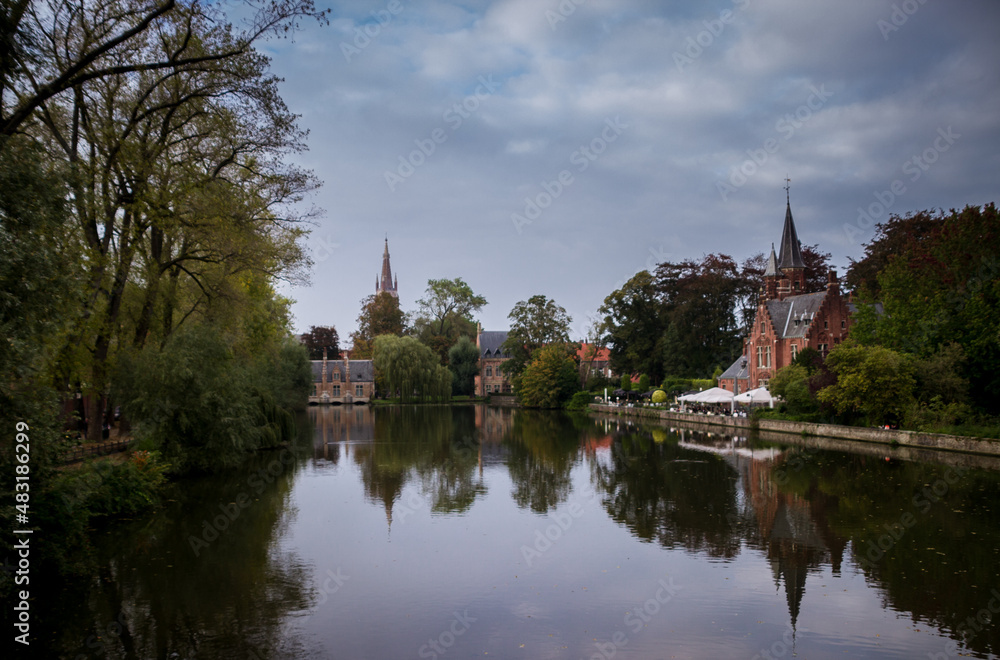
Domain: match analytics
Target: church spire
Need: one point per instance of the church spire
(386, 284)
(790, 255)
(772, 264)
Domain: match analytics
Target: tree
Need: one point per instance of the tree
(463, 361)
(100, 41)
(322, 337)
(380, 315)
(550, 378)
(791, 383)
(632, 325)
(941, 287)
(626, 383)
(410, 369)
(643, 383)
(445, 301)
(534, 323)
(873, 382)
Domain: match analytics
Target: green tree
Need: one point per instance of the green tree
(380, 315)
(632, 323)
(874, 383)
(411, 369)
(643, 383)
(535, 322)
(463, 361)
(626, 383)
(446, 301)
(791, 383)
(550, 379)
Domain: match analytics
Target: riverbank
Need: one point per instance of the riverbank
(913, 439)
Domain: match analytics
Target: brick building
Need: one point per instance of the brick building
(788, 319)
(342, 381)
(491, 355)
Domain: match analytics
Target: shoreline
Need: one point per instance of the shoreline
(863, 435)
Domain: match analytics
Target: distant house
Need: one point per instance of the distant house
(491, 355)
(598, 362)
(789, 320)
(342, 381)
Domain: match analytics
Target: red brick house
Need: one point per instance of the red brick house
(788, 318)
(491, 355)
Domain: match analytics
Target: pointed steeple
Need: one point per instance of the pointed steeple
(386, 283)
(790, 256)
(772, 264)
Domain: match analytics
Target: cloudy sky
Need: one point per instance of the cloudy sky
(558, 147)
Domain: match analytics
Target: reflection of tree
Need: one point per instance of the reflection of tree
(152, 596)
(436, 444)
(943, 564)
(674, 496)
(541, 450)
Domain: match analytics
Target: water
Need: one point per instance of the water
(459, 532)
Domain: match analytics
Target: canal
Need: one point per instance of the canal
(468, 531)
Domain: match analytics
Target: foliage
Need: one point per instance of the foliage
(380, 315)
(659, 396)
(791, 383)
(597, 382)
(938, 280)
(626, 383)
(579, 401)
(203, 405)
(809, 359)
(535, 322)
(632, 324)
(122, 489)
(550, 378)
(643, 383)
(411, 369)
(320, 337)
(445, 313)
(463, 361)
(873, 382)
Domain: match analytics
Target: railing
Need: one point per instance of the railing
(75, 454)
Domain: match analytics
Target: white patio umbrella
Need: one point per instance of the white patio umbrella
(711, 395)
(759, 395)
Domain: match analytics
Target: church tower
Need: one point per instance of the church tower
(386, 284)
(790, 263)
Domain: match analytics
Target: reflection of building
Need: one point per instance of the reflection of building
(336, 427)
(386, 284)
(789, 319)
(491, 355)
(342, 381)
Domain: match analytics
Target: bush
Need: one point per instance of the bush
(659, 396)
(579, 401)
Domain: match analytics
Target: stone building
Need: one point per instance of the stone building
(788, 319)
(491, 355)
(342, 381)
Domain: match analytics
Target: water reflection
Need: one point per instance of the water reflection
(786, 518)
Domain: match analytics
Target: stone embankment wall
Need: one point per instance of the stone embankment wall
(861, 434)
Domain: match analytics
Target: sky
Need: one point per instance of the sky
(557, 147)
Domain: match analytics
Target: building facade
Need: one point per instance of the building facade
(342, 381)
(491, 378)
(788, 318)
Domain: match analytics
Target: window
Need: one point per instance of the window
(359, 390)
(336, 390)
(843, 324)
(761, 327)
(826, 324)
(795, 350)
(762, 382)
(315, 389)
(489, 371)
(336, 376)
(822, 348)
(764, 357)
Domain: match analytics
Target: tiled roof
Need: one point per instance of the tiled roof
(793, 316)
(735, 371)
(362, 371)
(790, 256)
(490, 342)
(602, 355)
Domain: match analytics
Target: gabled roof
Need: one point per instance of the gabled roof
(790, 256)
(490, 342)
(736, 371)
(603, 354)
(785, 313)
(362, 371)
